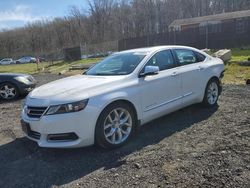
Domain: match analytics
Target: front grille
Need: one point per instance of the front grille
(35, 112)
(34, 134)
(31, 79)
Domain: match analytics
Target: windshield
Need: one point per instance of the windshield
(118, 64)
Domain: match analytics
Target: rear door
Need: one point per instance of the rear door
(192, 66)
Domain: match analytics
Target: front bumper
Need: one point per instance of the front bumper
(25, 89)
(77, 128)
(220, 82)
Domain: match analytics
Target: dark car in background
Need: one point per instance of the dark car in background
(13, 85)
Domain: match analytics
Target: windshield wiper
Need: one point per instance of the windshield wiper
(103, 74)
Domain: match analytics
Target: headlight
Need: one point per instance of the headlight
(23, 79)
(67, 108)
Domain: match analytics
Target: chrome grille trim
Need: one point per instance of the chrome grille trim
(36, 112)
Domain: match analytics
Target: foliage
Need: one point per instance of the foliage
(106, 20)
(236, 74)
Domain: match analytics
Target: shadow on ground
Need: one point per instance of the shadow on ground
(23, 164)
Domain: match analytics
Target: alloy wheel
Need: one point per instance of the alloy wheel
(212, 93)
(8, 92)
(117, 126)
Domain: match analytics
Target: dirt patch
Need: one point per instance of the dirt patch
(194, 147)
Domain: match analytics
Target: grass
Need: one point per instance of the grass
(66, 65)
(30, 68)
(236, 74)
(240, 55)
(54, 68)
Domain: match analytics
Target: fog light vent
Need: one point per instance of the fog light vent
(62, 137)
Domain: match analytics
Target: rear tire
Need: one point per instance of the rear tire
(211, 93)
(115, 126)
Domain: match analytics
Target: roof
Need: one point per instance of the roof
(215, 17)
(153, 49)
(144, 50)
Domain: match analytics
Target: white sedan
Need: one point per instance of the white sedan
(7, 61)
(125, 90)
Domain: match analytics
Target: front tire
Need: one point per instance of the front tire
(115, 125)
(212, 93)
(8, 91)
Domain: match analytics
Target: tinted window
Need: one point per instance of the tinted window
(200, 57)
(163, 60)
(185, 57)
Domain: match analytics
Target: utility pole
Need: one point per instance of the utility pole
(206, 24)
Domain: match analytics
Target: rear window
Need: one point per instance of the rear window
(200, 57)
(185, 57)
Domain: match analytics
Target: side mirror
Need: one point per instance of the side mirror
(150, 70)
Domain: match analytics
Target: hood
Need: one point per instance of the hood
(12, 74)
(72, 88)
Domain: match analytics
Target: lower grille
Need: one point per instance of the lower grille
(35, 112)
(62, 137)
(34, 135)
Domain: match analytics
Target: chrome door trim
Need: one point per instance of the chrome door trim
(188, 94)
(167, 102)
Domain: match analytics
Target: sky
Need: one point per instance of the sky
(17, 13)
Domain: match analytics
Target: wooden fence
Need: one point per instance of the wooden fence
(227, 37)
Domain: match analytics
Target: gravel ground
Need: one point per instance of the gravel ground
(194, 147)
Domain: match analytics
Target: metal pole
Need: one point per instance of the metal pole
(206, 8)
(207, 35)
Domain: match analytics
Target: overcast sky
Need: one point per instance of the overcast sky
(17, 13)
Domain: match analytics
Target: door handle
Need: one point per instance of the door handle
(174, 74)
(201, 68)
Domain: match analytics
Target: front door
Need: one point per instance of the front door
(161, 93)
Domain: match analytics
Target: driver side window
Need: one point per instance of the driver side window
(164, 60)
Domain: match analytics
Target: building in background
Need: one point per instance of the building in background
(226, 30)
(236, 22)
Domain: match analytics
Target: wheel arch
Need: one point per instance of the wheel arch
(120, 100)
(211, 78)
(214, 78)
(205, 86)
(12, 83)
